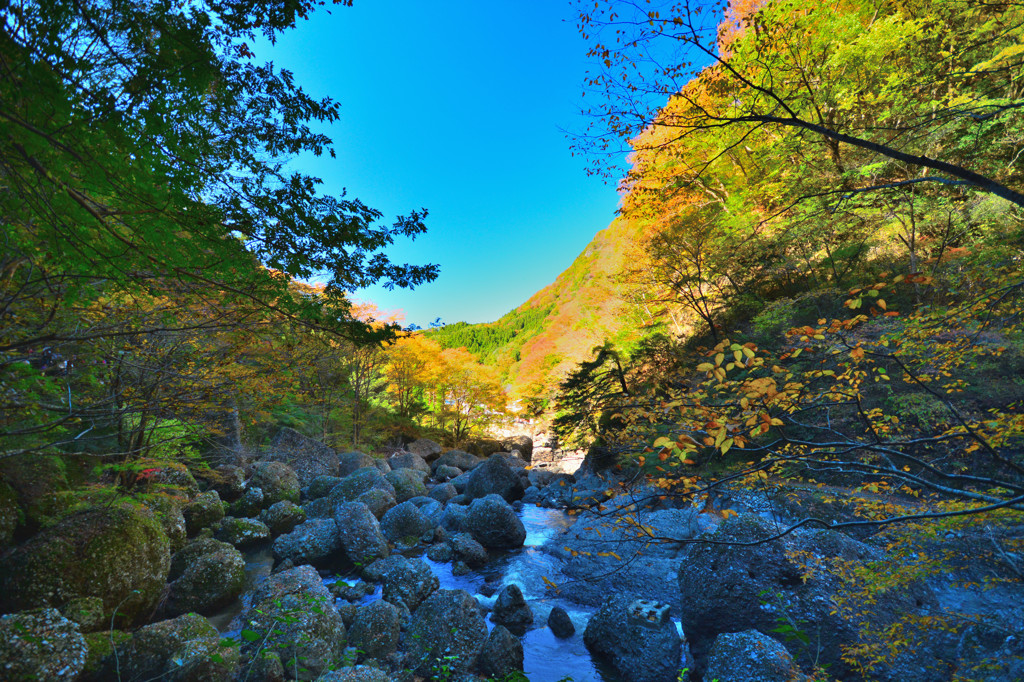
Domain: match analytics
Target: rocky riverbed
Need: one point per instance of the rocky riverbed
(313, 565)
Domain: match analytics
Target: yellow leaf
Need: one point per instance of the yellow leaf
(705, 367)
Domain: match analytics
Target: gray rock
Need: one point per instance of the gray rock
(242, 532)
(493, 523)
(86, 612)
(460, 483)
(208, 575)
(495, 477)
(184, 649)
(637, 638)
(443, 492)
(408, 460)
(446, 473)
(359, 673)
(430, 508)
(40, 645)
(277, 480)
(502, 654)
(359, 482)
(540, 478)
(405, 524)
(360, 534)
(308, 458)
(483, 447)
(454, 517)
(751, 657)
(168, 511)
(249, 504)
(282, 517)
(203, 511)
(322, 485)
(320, 508)
(408, 483)
(467, 550)
(560, 623)
(447, 627)
(316, 541)
(463, 461)
(292, 615)
(440, 552)
(229, 482)
(511, 609)
(425, 448)
(376, 630)
(350, 462)
(378, 500)
(409, 582)
(523, 444)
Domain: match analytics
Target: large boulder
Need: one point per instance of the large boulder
(118, 553)
(229, 481)
(408, 582)
(408, 460)
(425, 448)
(350, 462)
(467, 550)
(376, 630)
(168, 511)
(483, 447)
(495, 477)
(203, 511)
(212, 574)
(751, 656)
(316, 542)
(292, 615)
(359, 482)
(757, 586)
(458, 459)
(358, 673)
(360, 534)
(321, 486)
(307, 457)
(38, 483)
(521, 444)
(378, 501)
(493, 523)
(243, 532)
(249, 504)
(502, 654)
(405, 524)
(282, 517)
(637, 637)
(185, 649)
(40, 646)
(277, 480)
(408, 483)
(511, 609)
(443, 492)
(447, 628)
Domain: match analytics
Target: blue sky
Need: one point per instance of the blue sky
(459, 107)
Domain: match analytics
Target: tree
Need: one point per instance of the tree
(142, 156)
(928, 87)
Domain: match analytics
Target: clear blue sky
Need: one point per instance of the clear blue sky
(458, 106)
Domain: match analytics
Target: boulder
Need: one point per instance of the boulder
(425, 448)
(117, 553)
(321, 486)
(314, 542)
(38, 483)
(454, 517)
(249, 504)
(445, 473)
(203, 511)
(87, 612)
(211, 576)
(308, 458)
(511, 609)
(359, 533)
(282, 517)
(243, 532)
(167, 511)
(483, 447)
(229, 482)
(359, 482)
(521, 444)
(101, 646)
(560, 623)
(467, 550)
(40, 646)
(457, 459)
(446, 628)
(405, 524)
(185, 649)
(277, 480)
(359, 673)
(493, 523)
(408, 582)
(757, 586)
(175, 479)
(440, 552)
(320, 508)
(443, 493)
(751, 656)
(376, 630)
(350, 462)
(637, 637)
(495, 477)
(408, 460)
(502, 654)
(378, 501)
(11, 515)
(292, 615)
(430, 508)
(408, 483)
(460, 483)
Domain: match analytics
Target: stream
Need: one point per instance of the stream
(547, 658)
